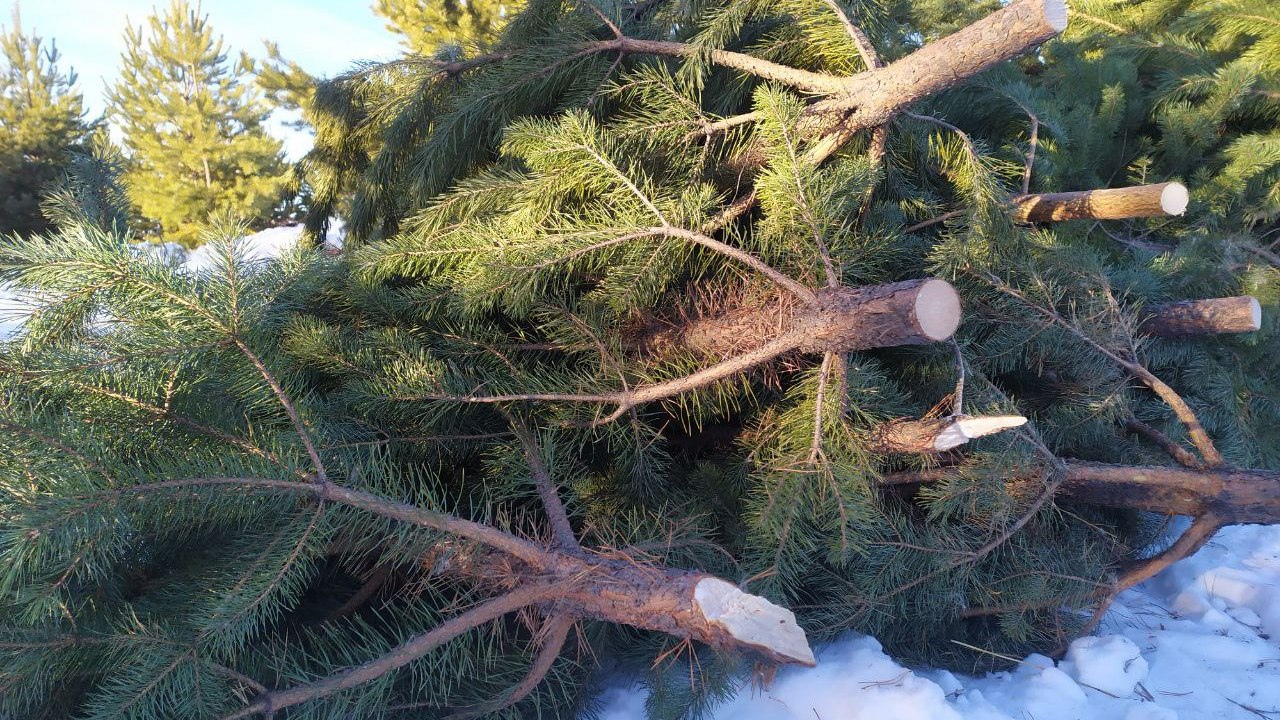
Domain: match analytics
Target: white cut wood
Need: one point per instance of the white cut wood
(753, 620)
(1174, 198)
(1055, 14)
(966, 428)
(938, 309)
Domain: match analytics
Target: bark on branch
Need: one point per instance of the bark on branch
(1204, 317)
(872, 98)
(1140, 201)
(1232, 496)
(913, 312)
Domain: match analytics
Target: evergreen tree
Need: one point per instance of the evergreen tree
(193, 127)
(41, 125)
(427, 25)
(648, 330)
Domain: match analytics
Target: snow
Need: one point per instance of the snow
(11, 312)
(262, 245)
(1200, 640)
(1112, 664)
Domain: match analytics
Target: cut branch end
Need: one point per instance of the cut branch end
(753, 621)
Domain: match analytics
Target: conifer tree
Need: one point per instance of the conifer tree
(41, 124)
(192, 126)
(429, 26)
(657, 324)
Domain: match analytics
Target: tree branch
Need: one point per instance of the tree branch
(288, 406)
(406, 653)
(555, 631)
(402, 512)
(1184, 413)
(561, 528)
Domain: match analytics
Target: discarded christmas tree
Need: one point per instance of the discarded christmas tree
(653, 329)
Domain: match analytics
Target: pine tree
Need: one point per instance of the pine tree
(656, 321)
(429, 26)
(192, 126)
(41, 125)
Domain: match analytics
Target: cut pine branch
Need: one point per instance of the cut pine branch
(913, 312)
(609, 588)
(688, 605)
(1232, 496)
(1217, 316)
(872, 98)
(935, 435)
(1139, 201)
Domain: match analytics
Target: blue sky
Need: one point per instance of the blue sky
(324, 36)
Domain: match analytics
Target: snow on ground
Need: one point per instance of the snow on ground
(1200, 640)
(263, 245)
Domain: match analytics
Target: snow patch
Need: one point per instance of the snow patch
(1112, 664)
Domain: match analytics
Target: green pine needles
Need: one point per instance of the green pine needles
(631, 321)
(193, 127)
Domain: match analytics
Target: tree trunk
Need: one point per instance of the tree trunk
(619, 590)
(1204, 317)
(872, 98)
(924, 437)
(1233, 496)
(913, 312)
(1139, 201)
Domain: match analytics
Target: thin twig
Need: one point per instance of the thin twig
(561, 527)
(958, 402)
(1031, 153)
(1176, 451)
(866, 50)
(934, 220)
(288, 406)
(555, 631)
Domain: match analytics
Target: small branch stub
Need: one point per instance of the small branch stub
(923, 437)
(1160, 200)
(1215, 316)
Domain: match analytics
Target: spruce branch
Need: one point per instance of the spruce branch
(697, 238)
(326, 490)
(290, 409)
(406, 653)
(561, 528)
(166, 414)
(1180, 408)
(553, 635)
